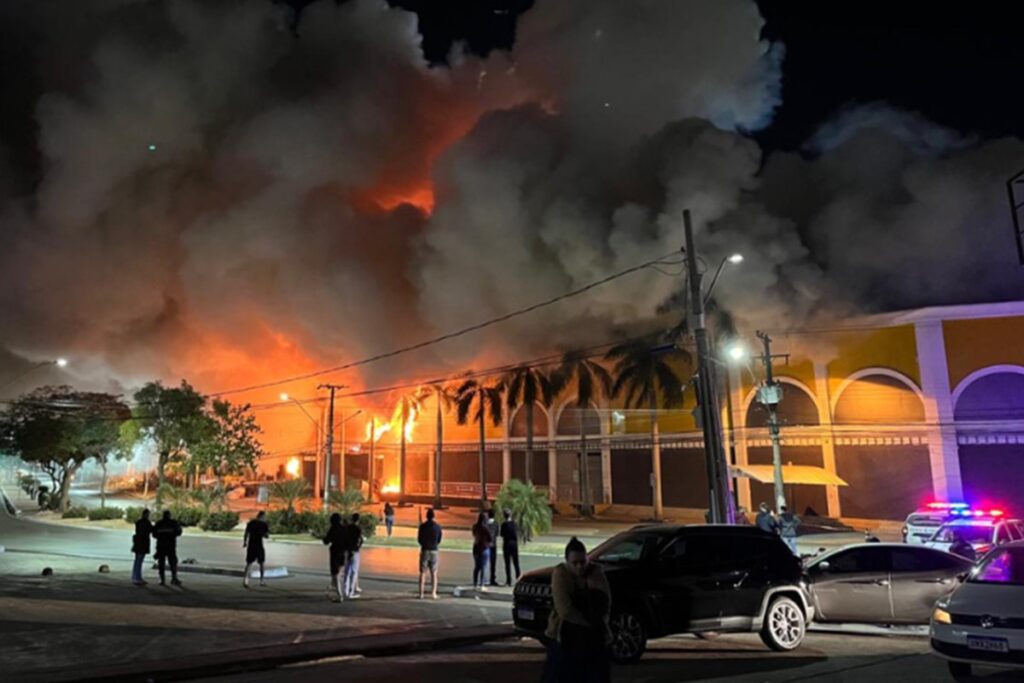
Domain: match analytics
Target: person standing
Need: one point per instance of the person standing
(166, 533)
(788, 522)
(492, 551)
(481, 552)
(355, 543)
(140, 546)
(429, 538)
(337, 537)
(578, 634)
(255, 532)
(389, 518)
(509, 546)
(741, 517)
(764, 520)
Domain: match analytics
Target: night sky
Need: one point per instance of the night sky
(955, 66)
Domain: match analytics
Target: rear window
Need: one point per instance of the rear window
(1001, 566)
(926, 520)
(970, 533)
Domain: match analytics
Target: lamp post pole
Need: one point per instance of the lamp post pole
(720, 502)
(329, 448)
(769, 395)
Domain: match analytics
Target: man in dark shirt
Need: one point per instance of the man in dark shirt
(338, 538)
(429, 537)
(255, 531)
(140, 546)
(510, 546)
(166, 533)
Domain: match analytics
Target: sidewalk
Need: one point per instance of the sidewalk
(84, 625)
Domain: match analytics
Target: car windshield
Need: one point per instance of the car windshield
(1005, 565)
(626, 549)
(969, 532)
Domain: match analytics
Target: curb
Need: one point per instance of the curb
(272, 657)
(471, 593)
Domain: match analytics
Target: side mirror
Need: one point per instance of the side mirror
(962, 576)
(822, 567)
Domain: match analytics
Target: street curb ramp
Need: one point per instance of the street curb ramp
(191, 666)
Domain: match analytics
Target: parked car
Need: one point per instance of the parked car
(884, 583)
(982, 622)
(922, 523)
(983, 533)
(687, 579)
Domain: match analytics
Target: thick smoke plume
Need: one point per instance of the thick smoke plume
(222, 192)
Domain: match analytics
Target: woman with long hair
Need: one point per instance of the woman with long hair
(578, 635)
(482, 541)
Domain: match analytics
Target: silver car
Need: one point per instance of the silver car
(884, 583)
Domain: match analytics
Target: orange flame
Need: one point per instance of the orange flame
(376, 433)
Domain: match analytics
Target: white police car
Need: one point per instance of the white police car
(982, 532)
(921, 524)
(982, 621)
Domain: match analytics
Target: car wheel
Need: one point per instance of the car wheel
(629, 637)
(960, 671)
(784, 625)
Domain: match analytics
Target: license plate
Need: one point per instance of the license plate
(988, 644)
(525, 613)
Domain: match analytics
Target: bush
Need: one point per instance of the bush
(133, 513)
(319, 527)
(289, 522)
(106, 513)
(219, 521)
(529, 507)
(367, 524)
(75, 513)
(187, 516)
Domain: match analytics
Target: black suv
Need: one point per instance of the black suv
(687, 579)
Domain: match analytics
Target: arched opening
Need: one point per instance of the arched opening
(575, 423)
(517, 434)
(991, 459)
(797, 409)
(888, 473)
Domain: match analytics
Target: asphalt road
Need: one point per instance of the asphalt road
(823, 657)
(26, 535)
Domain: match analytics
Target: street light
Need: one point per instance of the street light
(59, 362)
(734, 259)
(736, 351)
(285, 398)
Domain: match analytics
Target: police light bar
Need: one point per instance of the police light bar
(953, 507)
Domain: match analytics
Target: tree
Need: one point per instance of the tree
(288, 492)
(127, 435)
(173, 418)
(591, 379)
(209, 497)
(445, 401)
(529, 508)
(229, 440)
(528, 386)
(489, 403)
(409, 405)
(59, 428)
(643, 372)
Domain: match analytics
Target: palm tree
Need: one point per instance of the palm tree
(489, 403)
(591, 379)
(643, 371)
(409, 405)
(528, 386)
(445, 400)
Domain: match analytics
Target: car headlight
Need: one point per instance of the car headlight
(941, 616)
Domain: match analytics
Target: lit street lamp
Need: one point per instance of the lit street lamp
(285, 398)
(59, 362)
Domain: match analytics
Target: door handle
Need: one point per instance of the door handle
(880, 582)
(943, 582)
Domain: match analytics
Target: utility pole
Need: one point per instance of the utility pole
(373, 440)
(769, 395)
(720, 501)
(330, 442)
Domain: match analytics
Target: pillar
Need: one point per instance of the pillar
(823, 398)
(938, 410)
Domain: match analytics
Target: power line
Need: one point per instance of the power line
(450, 335)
